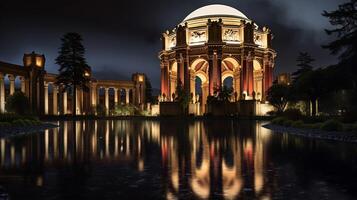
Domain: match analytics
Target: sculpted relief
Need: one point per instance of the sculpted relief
(258, 39)
(197, 37)
(231, 35)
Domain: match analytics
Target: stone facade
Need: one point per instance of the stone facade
(214, 47)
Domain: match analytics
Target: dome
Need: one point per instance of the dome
(215, 10)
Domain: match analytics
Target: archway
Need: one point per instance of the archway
(230, 74)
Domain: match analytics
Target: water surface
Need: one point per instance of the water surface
(169, 159)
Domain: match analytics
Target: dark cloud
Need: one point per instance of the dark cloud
(123, 37)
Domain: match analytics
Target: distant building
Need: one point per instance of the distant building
(46, 98)
(284, 78)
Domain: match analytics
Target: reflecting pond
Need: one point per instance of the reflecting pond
(171, 159)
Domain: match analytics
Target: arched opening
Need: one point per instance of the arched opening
(230, 74)
(198, 88)
(228, 82)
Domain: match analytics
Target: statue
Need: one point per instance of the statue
(159, 98)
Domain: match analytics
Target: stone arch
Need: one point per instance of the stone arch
(257, 65)
(230, 68)
(199, 68)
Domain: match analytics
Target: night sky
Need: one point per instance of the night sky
(123, 37)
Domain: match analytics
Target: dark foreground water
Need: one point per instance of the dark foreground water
(175, 160)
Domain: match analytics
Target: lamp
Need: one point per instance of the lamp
(34, 60)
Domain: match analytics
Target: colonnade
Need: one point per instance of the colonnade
(60, 99)
(56, 100)
(47, 98)
(12, 88)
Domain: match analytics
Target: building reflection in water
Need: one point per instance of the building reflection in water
(200, 159)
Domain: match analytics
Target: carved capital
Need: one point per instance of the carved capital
(11, 77)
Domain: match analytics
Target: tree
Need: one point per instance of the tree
(311, 87)
(73, 71)
(278, 96)
(223, 93)
(304, 61)
(148, 91)
(18, 103)
(344, 20)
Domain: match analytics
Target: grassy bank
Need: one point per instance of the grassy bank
(327, 125)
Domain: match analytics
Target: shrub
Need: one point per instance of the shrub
(354, 127)
(332, 125)
(278, 120)
(312, 126)
(298, 124)
(5, 124)
(19, 122)
(288, 123)
(18, 103)
(292, 114)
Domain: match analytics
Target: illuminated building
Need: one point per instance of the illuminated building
(37, 84)
(213, 43)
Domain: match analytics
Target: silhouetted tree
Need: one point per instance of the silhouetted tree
(278, 96)
(344, 20)
(223, 93)
(73, 66)
(311, 87)
(304, 61)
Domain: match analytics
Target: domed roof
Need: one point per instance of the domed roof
(215, 10)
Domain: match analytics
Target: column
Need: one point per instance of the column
(236, 83)
(46, 98)
(250, 76)
(12, 84)
(218, 61)
(193, 85)
(205, 93)
(115, 96)
(23, 88)
(127, 96)
(210, 77)
(94, 96)
(78, 101)
(267, 77)
(54, 98)
(2, 93)
(180, 71)
(164, 80)
(106, 100)
(65, 103)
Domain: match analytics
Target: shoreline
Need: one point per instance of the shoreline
(158, 118)
(338, 136)
(14, 131)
